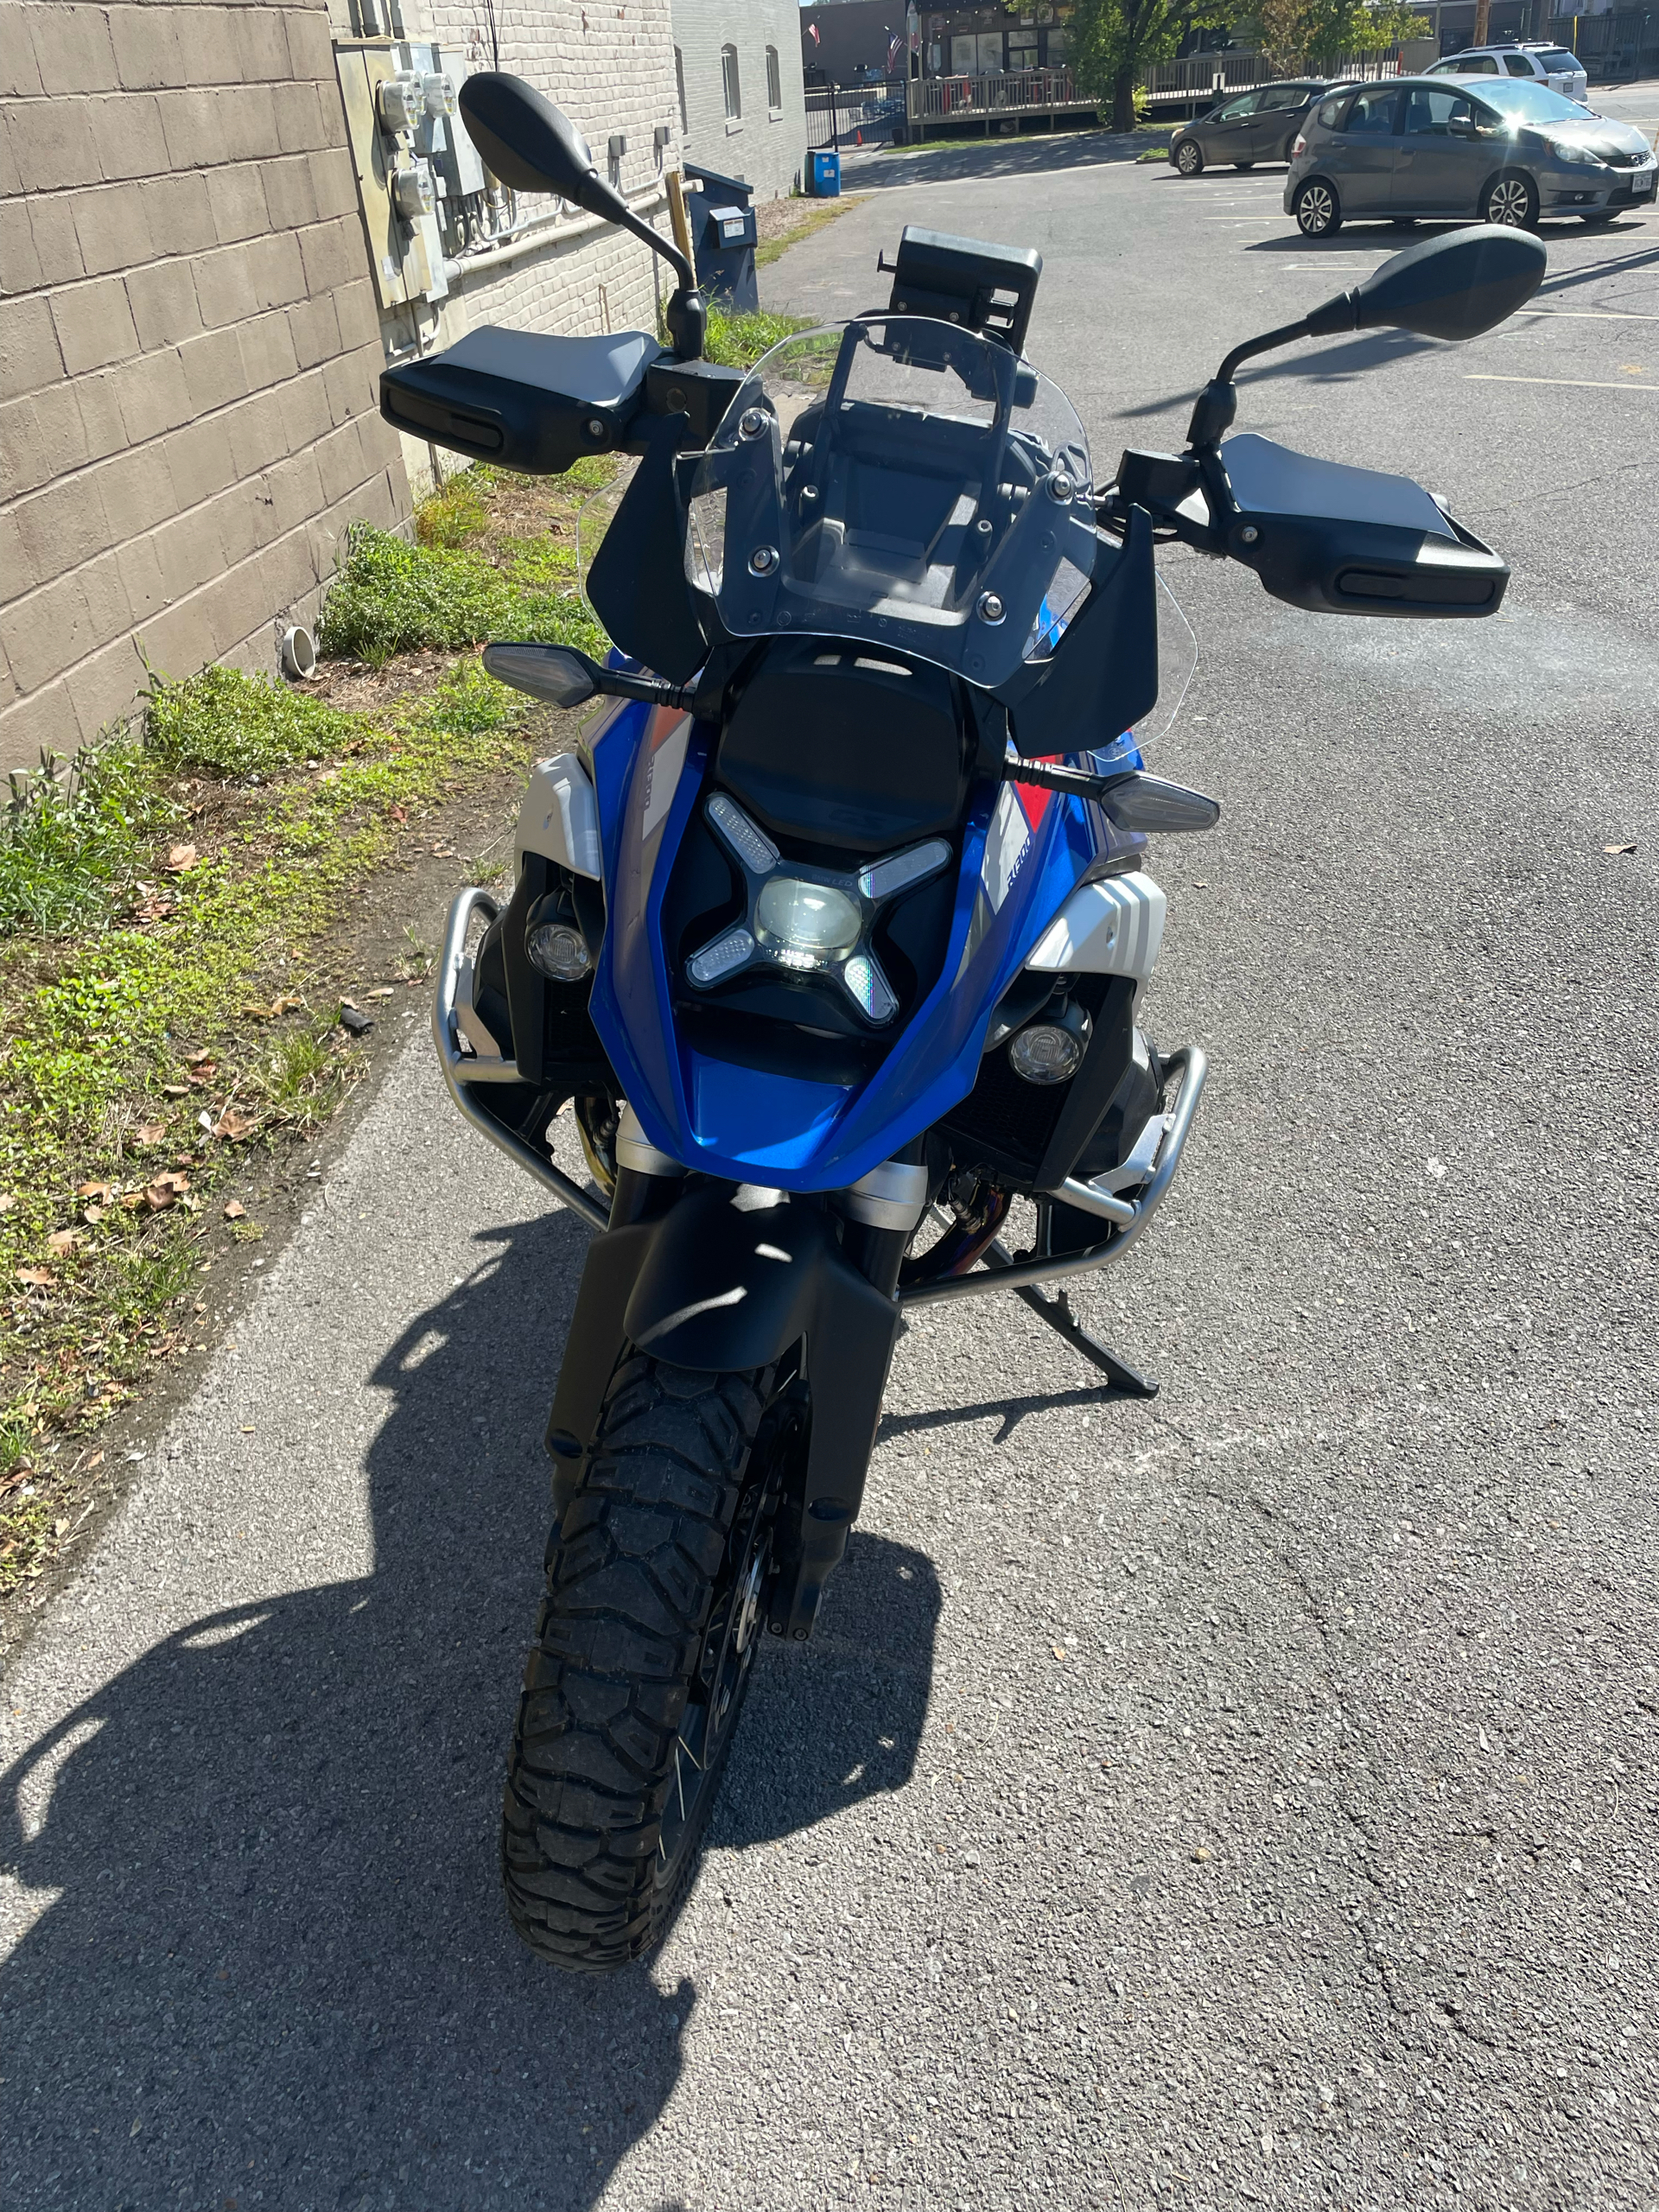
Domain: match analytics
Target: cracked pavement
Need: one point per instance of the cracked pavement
(1247, 1798)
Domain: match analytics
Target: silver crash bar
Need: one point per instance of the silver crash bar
(462, 1068)
(1130, 1216)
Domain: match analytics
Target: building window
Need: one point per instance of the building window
(680, 87)
(729, 84)
(774, 84)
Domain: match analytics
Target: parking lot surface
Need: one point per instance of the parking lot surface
(1245, 1798)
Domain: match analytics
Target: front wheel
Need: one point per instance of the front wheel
(644, 1649)
(1189, 158)
(1317, 209)
(1511, 198)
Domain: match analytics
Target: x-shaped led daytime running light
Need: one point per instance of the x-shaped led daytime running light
(806, 920)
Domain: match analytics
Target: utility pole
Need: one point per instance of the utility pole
(1483, 22)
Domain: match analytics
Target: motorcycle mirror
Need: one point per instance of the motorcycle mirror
(533, 146)
(529, 143)
(557, 673)
(1453, 287)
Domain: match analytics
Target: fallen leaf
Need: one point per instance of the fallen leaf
(39, 1276)
(383, 991)
(95, 1190)
(176, 1090)
(234, 1127)
(133, 1199)
(97, 1460)
(180, 858)
(175, 1181)
(289, 1003)
(158, 1197)
(92, 1216)
(194, 1059)
(8, 1201)
(235, 1211)
(150, 1133)
(63, 1239)
(1618, 849)
(398, 813)
(204, 1071)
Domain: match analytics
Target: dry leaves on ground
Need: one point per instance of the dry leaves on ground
(181, 859)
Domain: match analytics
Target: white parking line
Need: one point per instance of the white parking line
(1585, 314)
(1578, 383)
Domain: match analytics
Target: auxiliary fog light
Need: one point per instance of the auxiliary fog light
(559, 951)
(806, 924)
(1049, 1051)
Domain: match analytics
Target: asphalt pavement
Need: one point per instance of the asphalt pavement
(1245, 1798)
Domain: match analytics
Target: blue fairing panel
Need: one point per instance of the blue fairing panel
(1024, 850)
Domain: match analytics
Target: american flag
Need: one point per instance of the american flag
(895, 47)
(812, 32)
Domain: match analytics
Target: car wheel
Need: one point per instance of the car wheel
(1317, 209)
(1512, 198)
(1189, 157)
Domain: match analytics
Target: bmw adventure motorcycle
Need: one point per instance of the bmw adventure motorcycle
(831, 928)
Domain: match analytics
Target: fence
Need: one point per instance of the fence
(1170, 87)
(836, 115)
(1624, 43)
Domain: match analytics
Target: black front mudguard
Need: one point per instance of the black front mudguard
(718, 1286)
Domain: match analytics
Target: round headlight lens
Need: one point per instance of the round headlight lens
(806, 924)
(1044, 1052)
(559, 951)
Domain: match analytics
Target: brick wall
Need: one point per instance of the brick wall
(765, 145)
(189, 348)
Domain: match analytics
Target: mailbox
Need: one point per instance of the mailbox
(723, 235)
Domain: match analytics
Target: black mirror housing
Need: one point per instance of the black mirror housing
(1453, 287)
(529, 143)
(557, 673)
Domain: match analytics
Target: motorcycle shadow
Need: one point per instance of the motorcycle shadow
(271, 1958)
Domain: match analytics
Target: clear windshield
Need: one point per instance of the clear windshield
(1532, 103)
(901, 480)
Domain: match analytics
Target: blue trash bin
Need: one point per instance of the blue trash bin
(824, 173)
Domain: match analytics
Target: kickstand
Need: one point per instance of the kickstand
(1057, 1312)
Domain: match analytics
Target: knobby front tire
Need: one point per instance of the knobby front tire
(643, 1649)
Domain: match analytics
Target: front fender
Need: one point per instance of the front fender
(723, 1285)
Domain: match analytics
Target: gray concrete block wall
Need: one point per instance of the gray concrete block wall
(188, 349)
(766, 145)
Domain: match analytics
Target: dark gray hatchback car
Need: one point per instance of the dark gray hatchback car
(1503, 151)
(1245, 128)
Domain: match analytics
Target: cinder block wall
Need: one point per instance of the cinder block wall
(765, 145)
(188, 349)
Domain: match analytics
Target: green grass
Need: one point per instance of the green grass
(391, 597)
(169, 910)
(71, 841)
(737, 341)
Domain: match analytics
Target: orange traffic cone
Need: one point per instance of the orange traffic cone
(858, 139)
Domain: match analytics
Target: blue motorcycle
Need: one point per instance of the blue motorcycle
(831, 929)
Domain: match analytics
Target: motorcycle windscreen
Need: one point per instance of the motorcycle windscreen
(899, 480)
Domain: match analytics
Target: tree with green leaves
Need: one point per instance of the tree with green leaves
(1114, 42)
(1298, 35)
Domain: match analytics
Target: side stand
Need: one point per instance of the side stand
(1056, 1312)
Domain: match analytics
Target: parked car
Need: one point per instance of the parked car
(1247, 127)
(1499, 150)
(1538, 64)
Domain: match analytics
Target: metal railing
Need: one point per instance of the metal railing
(837, 115)
(1622, 44)
(973, 99)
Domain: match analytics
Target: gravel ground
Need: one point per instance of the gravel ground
(1247, 1798)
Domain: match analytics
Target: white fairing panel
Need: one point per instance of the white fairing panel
(1113, 928)
(558, 817)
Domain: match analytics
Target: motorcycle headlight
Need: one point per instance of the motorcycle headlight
(1566, 149)
(806, 924)
(558, 951)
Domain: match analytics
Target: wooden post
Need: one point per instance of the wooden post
(1483, 22)
(677, 219)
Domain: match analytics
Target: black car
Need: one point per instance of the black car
(1245, 128)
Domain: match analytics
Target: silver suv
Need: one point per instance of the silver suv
(1540, 65)
(1450, 147)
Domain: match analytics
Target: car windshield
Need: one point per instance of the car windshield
(1532, 103)
(903, 480)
